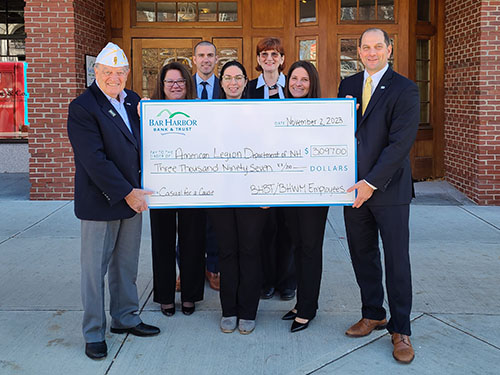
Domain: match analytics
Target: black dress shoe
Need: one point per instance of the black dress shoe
(267, 293)
(188, 310)
(289, 315)
(296, 326)
(96, 350)
(142, 329)
(168, 311)
(287, 294)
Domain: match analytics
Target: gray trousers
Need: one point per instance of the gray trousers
(110, 247)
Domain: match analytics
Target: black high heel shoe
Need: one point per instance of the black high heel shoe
(188, 310)
(296, 326)
(169, 311)
(289, 315)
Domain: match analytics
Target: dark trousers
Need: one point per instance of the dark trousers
(277, 253)
(307, 230)
(363, 225)
(191, 229)
(212, 259)
(238, 232)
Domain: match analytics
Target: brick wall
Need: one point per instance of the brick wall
(59, 34)
(472, 98)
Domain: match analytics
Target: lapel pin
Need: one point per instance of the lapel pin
(382, 87)
(112, 113)
(128, 103)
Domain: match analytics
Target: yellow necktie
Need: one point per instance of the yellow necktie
(367, 94)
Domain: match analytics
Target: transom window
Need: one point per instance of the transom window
(367, 10)
(192, 11)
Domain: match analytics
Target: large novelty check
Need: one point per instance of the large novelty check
(248, 152)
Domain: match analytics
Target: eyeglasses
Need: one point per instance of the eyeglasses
(120, 73)
(170, 83)
(265, 55)
(238, 78)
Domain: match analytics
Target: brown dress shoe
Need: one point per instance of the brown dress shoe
(213, 280)
(178, 284)
(403, 351)
(365, 326)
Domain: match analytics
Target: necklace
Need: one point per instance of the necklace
(273, 87)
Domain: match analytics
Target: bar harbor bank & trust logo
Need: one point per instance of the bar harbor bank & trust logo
(167, 122)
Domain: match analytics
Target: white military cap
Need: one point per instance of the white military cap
(112, 55)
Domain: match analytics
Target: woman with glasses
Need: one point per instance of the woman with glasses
(270, 84)
(277, 253)
(175, 83)
(238, 232)
(306, 224)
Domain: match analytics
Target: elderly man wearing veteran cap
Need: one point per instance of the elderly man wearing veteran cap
(103, 127)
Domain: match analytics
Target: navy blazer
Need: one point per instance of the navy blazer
(385, 135)
(107, 155)
(216, 93)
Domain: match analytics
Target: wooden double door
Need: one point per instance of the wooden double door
(150, 55)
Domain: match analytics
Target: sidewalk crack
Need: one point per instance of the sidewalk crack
(35, 223)
(463, 331)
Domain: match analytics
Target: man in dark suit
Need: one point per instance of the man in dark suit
(103, 128)
(208, 87)
(205, 59)
(387, 123)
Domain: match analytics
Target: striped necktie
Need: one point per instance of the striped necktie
(367, 94)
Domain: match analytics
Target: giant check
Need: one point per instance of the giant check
(248, 152)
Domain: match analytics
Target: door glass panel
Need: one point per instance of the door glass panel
(226, 54)
(154, 58)
(424, 113)
(349, 63)
(423, 10)
(145, 12)
(385, 9)
(423, 77)
(366, 9)
(348, 10)
(423, 88)
(183, 11)
(307, 50)
(228, 12)
(186, 12)
(307, 11)
(207, 12)
(166, 12)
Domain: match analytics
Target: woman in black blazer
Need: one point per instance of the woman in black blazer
(270, 84)
(238, 232)
(306, 224)
(277, 253)
(175, 83)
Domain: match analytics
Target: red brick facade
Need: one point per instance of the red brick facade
(472, 98)
(59, 34)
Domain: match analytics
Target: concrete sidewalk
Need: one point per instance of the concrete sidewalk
(455, 250)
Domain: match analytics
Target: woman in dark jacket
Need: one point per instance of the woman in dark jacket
(277, 253)
(238, 232)
(306, 224)
(175, 83)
